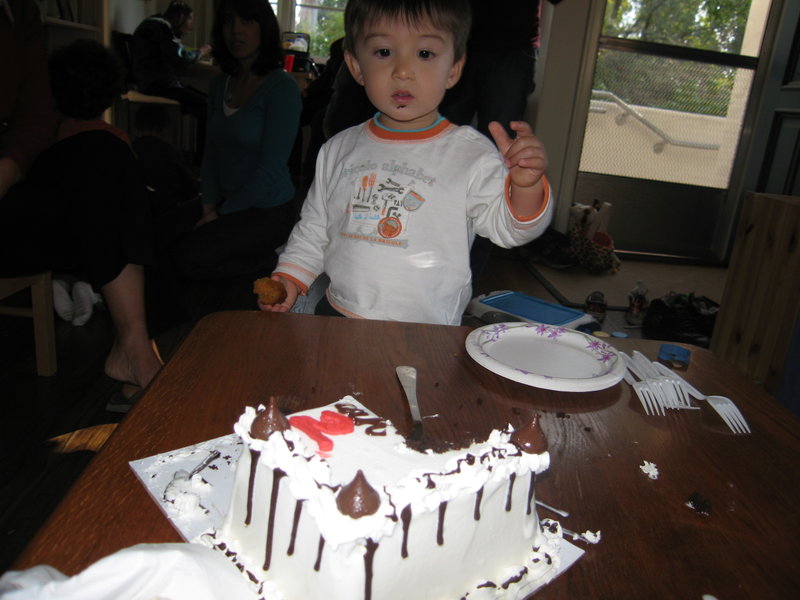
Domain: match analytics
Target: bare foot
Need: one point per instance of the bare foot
(134, 363)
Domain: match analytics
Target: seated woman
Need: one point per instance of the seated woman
(83, 211)
(254, 113)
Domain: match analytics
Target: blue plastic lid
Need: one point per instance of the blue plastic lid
(674, 354)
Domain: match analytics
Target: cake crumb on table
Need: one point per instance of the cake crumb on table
(649, 469)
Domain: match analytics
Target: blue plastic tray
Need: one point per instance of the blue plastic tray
(532, 309)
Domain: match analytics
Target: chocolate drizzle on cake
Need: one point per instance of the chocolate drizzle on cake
(298, 507)
(320, 546)
(516, 579)
(358, 498)
(268, 421)
(369, 558)
(440, 524)
(254, 456)
(530, 491)
(375, 425)
(476, 514)
(277, 475)
(511, 479)
(405, 518)
(530, 438)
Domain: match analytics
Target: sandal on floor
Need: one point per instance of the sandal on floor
(156, 352)
(120, 402)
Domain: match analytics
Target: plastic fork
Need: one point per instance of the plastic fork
(730, 413)
(724, 406)
(669, 386)
(647, 396)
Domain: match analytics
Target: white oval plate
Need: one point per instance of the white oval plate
(546, 356)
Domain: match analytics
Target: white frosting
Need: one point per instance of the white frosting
(445, 559)
(649, 469)
(186, 494)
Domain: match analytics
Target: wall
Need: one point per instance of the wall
(125, 15)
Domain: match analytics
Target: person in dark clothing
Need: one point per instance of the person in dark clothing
(172, 181)
(158, 56)
(27, 116)
(82, 209)
(175, 199)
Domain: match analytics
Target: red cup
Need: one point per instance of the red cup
(288, 63)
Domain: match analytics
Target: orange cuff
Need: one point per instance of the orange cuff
(300, 285)
(545, 200)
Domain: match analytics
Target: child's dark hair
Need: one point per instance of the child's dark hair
(270, 55)
(453, 16)
(86, 77)
(177, 13)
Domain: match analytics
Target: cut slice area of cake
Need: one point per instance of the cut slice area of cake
(331, 504)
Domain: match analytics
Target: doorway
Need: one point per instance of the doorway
(660, 98)
(669, 95)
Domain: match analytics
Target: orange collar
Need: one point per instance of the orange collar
(380, 133)
(72, 127)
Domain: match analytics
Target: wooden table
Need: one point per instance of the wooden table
(653, 545)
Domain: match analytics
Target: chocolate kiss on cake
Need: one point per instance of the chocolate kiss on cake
(269, 420)
(358, 498)
(530, 439)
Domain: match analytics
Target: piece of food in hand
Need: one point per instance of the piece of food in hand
(269, 291)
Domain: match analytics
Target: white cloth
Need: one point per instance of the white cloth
(141, 572)
(391, 217)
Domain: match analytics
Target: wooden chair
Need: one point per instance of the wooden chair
(89, 438)
(41, 311)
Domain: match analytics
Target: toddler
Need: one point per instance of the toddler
(397, 201)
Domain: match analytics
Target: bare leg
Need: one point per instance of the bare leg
(131, 358)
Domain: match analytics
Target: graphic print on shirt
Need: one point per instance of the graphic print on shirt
(380, 211)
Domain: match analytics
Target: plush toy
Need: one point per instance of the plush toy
(589, 241)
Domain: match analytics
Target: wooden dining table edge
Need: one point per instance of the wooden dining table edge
(26, 559)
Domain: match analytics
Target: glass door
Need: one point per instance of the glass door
(670, 89)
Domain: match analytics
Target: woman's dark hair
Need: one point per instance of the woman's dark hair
(177, 14)
(270, 54)
(85, 77)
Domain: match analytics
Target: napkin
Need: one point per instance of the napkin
(141, 572)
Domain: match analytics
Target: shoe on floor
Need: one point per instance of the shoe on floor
(62, 301)
(83, 298)
(120, 403)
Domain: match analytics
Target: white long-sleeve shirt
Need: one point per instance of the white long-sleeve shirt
(391, 217)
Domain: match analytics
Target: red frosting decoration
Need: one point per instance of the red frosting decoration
(530, 439)
(329, 422)
(269, 420)
(358, 498)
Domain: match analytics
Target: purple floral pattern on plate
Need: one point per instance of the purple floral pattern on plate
(607, 372)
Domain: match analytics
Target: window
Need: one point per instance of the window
(322, 20)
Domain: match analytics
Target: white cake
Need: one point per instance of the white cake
(336, 506)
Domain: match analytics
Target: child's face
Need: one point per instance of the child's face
(405, 71)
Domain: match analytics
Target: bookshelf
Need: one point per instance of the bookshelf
(68, 20)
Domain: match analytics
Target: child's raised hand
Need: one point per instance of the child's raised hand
(291, 296)
(524, 156)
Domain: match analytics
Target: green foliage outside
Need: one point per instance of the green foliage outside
(673, 84)
(324, 26)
